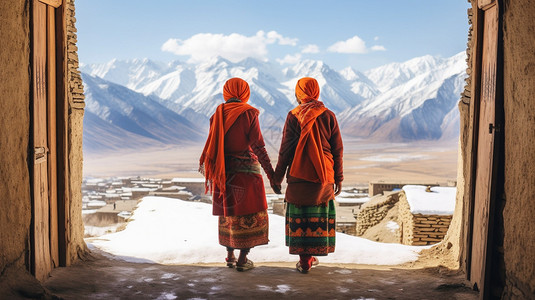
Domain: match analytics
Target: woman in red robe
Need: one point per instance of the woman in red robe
(230, 162)
(311, 150)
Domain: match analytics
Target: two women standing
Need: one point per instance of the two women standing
(311, 155)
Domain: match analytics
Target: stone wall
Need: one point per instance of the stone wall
(75, 96)
(347, 228)
(374, 211)
(15, 200)
(419, 229)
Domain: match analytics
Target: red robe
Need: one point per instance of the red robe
(244, 150)
(301, 192)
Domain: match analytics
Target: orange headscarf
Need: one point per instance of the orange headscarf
(310, 162)
(307, 89)
(212, 161)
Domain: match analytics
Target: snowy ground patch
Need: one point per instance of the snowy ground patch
(173, 231)
(392, 226)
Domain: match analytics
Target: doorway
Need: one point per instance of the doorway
(47, 234)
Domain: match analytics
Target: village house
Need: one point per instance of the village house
(425, 214)
(41, 115)
(378, 187)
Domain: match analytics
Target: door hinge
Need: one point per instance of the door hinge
(39, 154)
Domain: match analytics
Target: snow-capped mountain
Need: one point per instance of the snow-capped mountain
(401, 101)
(360, 84)
(336, 91)
(416, 97)
(117, 117)
(130, 73)
(391, 75)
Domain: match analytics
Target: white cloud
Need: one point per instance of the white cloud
(354, 45)
(273, 36)
(378, 48)
(311, 49)
(233, 47)
(290, 59)
(376, 38)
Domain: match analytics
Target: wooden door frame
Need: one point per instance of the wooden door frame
(61, 125)
(496, 181)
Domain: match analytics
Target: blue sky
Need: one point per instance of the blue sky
(357, 33)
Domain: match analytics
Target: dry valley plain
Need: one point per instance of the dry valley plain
(364, 161)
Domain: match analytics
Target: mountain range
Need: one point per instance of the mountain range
(157, 103)
(117, 118)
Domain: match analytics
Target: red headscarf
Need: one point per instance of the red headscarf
(212, 161)
(310, 162)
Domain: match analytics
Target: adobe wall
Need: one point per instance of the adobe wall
(15, 198)
(519, 94)
(14, 131)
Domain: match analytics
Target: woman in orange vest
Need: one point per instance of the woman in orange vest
(311, 150)
(230, 162)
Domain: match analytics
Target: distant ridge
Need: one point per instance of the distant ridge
(172, 102)
(119, 118)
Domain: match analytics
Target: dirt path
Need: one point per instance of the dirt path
(103, 278)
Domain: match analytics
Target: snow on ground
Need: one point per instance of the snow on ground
(393, 226)
(173, 231)
(99, 230)
(440, 201)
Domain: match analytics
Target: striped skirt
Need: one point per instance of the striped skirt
(311, 230)
(242, 232)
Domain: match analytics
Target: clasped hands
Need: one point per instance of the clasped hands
(277, 187)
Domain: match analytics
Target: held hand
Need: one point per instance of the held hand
(337, 188)
(276, 187)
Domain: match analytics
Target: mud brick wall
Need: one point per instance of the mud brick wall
(374, 211)
(15, 199)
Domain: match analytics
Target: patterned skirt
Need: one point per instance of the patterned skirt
(242, 232)
(311, 230)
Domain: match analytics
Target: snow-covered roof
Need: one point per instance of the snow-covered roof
(351, 199)
(174, 188)
(142, 189)
(440, 201)
(175, 180)
(94, 180)
(96, 203)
